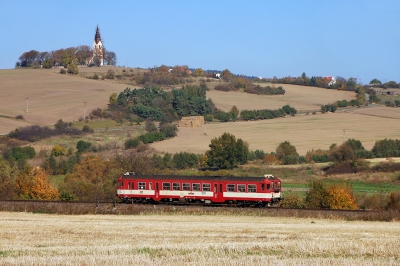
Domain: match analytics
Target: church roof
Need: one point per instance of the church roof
(97, 37)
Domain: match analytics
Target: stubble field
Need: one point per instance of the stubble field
(39, 239)
(305, 132)
(52, 96)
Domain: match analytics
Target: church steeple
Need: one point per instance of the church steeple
(98, 49)
(97, 37)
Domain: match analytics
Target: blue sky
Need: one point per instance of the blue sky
(357, 38)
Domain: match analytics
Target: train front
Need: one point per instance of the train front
(274, 188)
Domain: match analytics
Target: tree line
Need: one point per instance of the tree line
(79, 55)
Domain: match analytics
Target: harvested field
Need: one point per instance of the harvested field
(300, 97)
(38, 239)
(305, 132)
(378, 111)
(52, 96)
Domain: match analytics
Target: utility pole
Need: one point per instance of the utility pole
(27, 106)
(84, 112)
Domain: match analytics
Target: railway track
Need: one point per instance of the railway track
(115, 207)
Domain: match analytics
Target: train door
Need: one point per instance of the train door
(157, 192)
(218, 192)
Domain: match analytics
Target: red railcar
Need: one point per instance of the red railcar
(201, 189)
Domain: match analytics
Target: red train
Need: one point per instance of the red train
(242, 191)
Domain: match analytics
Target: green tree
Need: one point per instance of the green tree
(316, 196)
(8, 188)
(375, 82)
(285, 149)
(73, 69)
(227, 152)
(82, 145)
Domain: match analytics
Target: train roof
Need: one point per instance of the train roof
(202, 178)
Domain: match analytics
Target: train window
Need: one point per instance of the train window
(230, 187)
(166, 186)
(241, 188)
(262, 186)
(176, 186)
(196, 187)
(206, 187)
(278, 185)
(150, 185)
(142, 185)
(220, 188)
(251, 188)
(272, 185)
(186, 186)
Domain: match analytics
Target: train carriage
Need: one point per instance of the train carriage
(199, 189)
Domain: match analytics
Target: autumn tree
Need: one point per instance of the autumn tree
(342, 153)
(227, 152)
(198, 72)
(340, 197)
(41, 188)
(92, 178)
(58, 150)
(226, 75)
(24, 183)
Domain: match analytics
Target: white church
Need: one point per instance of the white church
(98, 49)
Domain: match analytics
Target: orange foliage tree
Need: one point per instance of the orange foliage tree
(341, 197)
(92, 179)
(42, 188)
(33, 184)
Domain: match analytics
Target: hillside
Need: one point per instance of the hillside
(53, 96)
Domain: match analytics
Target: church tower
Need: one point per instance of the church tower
(98, 49)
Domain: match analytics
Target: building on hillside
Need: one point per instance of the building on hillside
(98, 49)
(331, 80)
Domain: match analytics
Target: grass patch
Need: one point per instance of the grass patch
(56, 180)
(98, 124)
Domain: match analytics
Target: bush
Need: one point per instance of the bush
(169, 130)
(82, 146)
(19, 117)
(73, 69)
(340, 168)
(209, 118)
(292, 200)
(22, 153)
(87, 129)
(110, 74)
(63, 71)
(152, 137)
(58, 150)
(132, 143)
